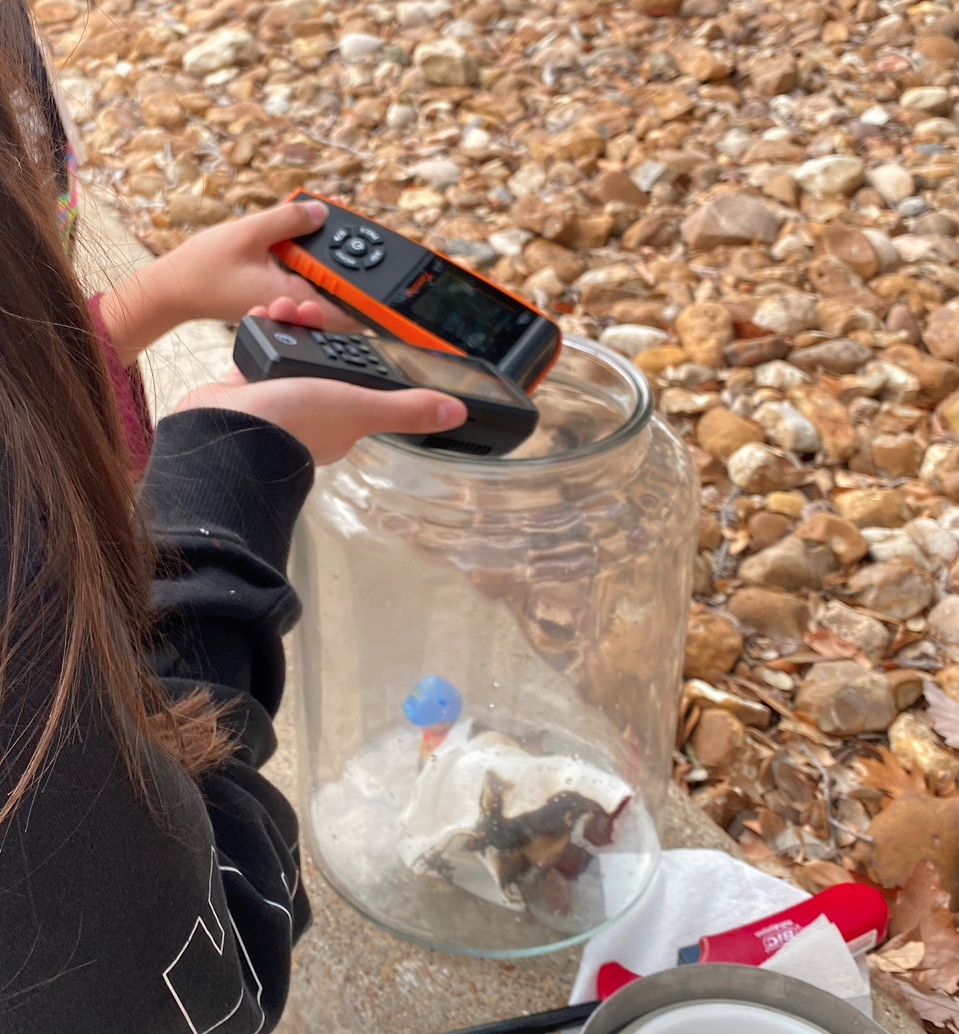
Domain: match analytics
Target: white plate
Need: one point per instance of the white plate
(721, 1018)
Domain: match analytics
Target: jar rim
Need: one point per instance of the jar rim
(632, 424)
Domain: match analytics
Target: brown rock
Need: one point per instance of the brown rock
(718, 738)
(894, 588)
(445, 62)
(775, 75)
(914, 828)
(757, 468)
(938, 49)
(770, 613)
(942, 332)
(704, 330)
(713, 644)
(914, 742)
(830, 418)
(766, 528)
(842, 537)
(851, 247)
(840, 356)
(730, 219)
(873, 507)
(540, 253)
(721, 432)
(905, 685)
(844, 699)
(864, 632)
(755, 351)
(710, 532)
(617, 186)
(657, 8)
(700, 63)
(896, 455)
(937, 378)
(749, 712)
(790, 564)
(782, 187)
(654, 360)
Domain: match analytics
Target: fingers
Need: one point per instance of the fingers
(291, 219)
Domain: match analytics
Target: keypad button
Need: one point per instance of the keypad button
(375, 257)
(319, 337)
(356, 246)
(354, 360)
(347, 260)
(331, 352)
(370, 234)
(342, 234)
(382, 369)
(284, 338)
(365, 349)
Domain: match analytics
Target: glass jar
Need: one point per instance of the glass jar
(489, 668)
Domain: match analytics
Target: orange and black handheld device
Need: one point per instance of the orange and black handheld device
(405, 291)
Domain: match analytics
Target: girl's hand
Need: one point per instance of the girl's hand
(221, 273)
(327, 416)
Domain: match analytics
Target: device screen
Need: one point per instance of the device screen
(444, 373)
(466, 312)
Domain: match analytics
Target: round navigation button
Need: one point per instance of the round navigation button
(356, 246)
(284, 339)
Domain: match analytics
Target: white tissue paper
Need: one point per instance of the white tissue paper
(696, 893)
(474, 809)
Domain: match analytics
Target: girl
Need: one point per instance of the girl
(148, 874)
(218, 274)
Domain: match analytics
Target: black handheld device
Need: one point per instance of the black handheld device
(500, 416)
(401, 289)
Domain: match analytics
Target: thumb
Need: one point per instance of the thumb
(290, 219)
(412, 411)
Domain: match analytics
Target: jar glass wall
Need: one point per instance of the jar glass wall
(488, 668)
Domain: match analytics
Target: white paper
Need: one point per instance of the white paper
(696, 893)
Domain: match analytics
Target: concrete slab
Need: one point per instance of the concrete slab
(349, 976)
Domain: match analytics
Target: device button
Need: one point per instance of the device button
(375, 257)
(354, 360)
(331, 352)
(342, 234)
(284, 339)
(370, 234)
(356, 246)
(347, 260)
(365, 349)
(319, 337)
(382, 369)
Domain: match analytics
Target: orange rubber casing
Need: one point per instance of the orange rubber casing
(336, 287)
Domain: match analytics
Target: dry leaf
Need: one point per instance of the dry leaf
(826, 643)
(922, 908)
(935, 1008)
(817, 876)
(889, 775)
(901, 958)
(944, 712)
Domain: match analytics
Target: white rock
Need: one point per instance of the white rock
(444, 62)
(438, 172)
(831, 174)
(399, 115)
(895, 544)
(786, 427)
(475, 142)
(734, 142)
(529, 178)
(948, 520)
(936, 454)
(934, 99)
(355, 46)
(779, 374)
(875, 116)
(892, 182)
(633, 338)
(944, 624)
(755, 467)
(870, 635)
(412, 14)
(789, 313)
(510, 243)
(220, 49)
(939, 545)
(884, 248)
(935, 129)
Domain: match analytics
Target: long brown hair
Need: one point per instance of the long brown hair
(79, 567)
